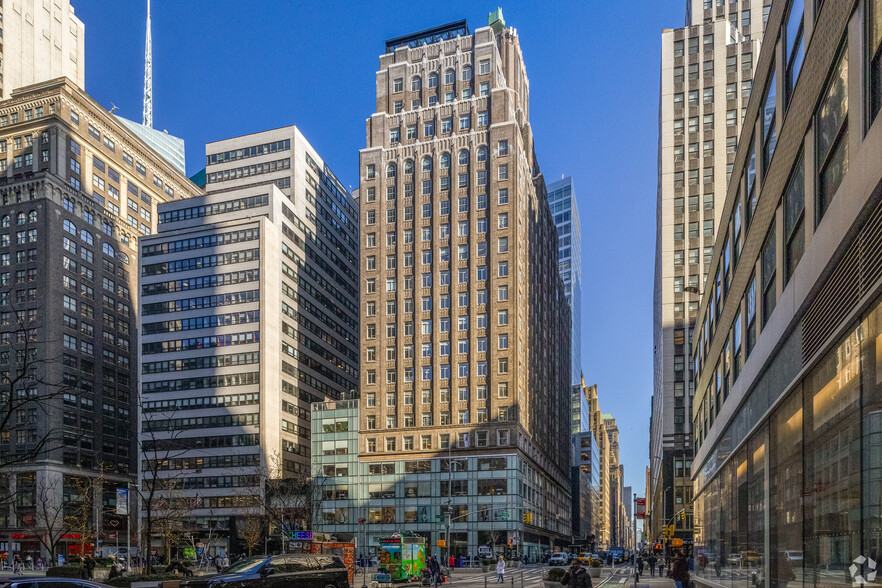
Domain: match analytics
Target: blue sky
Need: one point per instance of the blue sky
(222, 68)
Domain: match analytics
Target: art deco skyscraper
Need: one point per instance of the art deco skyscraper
(706, 79)
(465, 333)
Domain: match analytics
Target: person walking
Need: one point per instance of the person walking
(679, 570)
(576, 576)
(652, 561)
(640, 563)
(500, 570)
(16, 566)
(89, 566)
(435, 569)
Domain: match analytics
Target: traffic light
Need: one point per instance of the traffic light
(528, 517)
(510, 544)
(442, 543)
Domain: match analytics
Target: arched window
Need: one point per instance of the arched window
(416, 84)
(433, 80)
(449, 76)
(108, 250)
(390, 170)
(5, 222)
(482, 153)
(408, 166)
(445, 160)
(32, 216)
(427, 164)
(21, 218)
(466, 73)
(86, 236)
(463, 157)
(68, 226)
(123, 257)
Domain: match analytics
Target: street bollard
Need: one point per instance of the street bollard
(522, 579)
(512, 581)
(485, 580)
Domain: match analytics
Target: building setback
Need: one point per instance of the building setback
(706, 79)
(788, 343)
(77, 189)
(250, 306)
(465, 336)
(562, 203)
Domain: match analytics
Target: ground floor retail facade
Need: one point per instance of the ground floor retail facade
(797, 496)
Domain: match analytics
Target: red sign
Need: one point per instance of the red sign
(24, 536)
(640, 508)
(71, 536)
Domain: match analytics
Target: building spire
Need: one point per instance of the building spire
(148, 75)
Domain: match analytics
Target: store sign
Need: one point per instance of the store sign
(300, 535)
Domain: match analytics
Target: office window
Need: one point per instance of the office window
(794, 46)
(874, 55)
(708, 228)
(693, 45)
(678, 74)
(794, 225)
(708, 95)
(831, 123)
(768, 267)
(678, 48)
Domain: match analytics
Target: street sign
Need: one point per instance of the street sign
(677, 542)
(504, 514)
(640, 508)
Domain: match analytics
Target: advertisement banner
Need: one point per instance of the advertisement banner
(122, 502)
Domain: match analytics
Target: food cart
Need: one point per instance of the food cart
(403, 558)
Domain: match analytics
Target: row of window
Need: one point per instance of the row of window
(461, 440)
(444, 159)
(249, 170)
(462, 230)
(28, 114)
(708, 68)
(426, 396)
(370, 309)
(465, 123)
(247, 152)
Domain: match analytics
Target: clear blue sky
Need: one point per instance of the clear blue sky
(223, 68)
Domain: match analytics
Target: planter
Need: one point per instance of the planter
(485, 568)
(550, 584)
(513, 564)
(594, 572)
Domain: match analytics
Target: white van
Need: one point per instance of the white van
(559, 559)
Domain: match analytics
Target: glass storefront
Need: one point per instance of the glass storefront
(801, 499)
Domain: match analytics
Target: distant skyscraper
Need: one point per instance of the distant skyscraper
(706, 79)
(41, 41)
(562, 202)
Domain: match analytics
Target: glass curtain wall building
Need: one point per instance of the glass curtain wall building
(788, 344)
(562, 203)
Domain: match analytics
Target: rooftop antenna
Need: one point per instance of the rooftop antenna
(148, 75)
(113, 108)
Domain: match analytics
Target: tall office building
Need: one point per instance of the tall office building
(615, 473)
(265, 269)
(465, 337)
(585, 479)
(706, 80)
(77, 190)
(562, 202)
(788, 344)
(42, 41)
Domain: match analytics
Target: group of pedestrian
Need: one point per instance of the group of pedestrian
(679, 567)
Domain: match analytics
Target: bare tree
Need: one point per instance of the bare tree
(290, 503)
(495, 536)
(158, 451)
(252, 530)
(50, 515)
(84, 508)
(26, 392)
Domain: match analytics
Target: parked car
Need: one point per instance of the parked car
(43, 582)
(793, 555)
(278, 571)
(559, 559)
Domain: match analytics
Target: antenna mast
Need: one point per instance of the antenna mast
(148, 75)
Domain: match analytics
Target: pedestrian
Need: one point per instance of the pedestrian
(652, 561)
(89, 566)
(640, 564)
(576, 576)
(435, 569)
(662, 562)
(679, 570)
(16, 566)
(500, 570)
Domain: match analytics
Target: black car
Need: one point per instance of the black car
(278, 571)
(43, 582)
